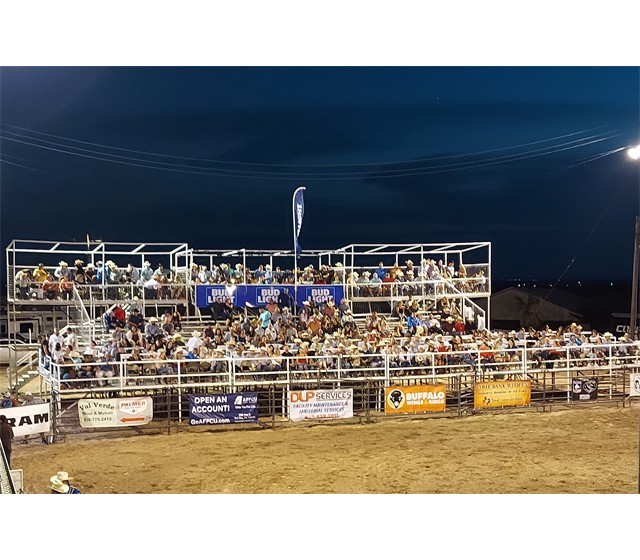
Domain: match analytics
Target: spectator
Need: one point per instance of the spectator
(120, 315)
(62, 271)
(195, 341)
(7, 401)
(136, 318)
(23, 282)
(65, 479)
(381, 271)
(146, 273)
(152, 330)
(57, 486)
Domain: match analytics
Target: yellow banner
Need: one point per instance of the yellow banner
(491, 394)
(418, 398)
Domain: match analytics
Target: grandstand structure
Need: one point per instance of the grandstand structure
(435, 281)
(33, 309)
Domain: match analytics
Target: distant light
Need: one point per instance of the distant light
(634, 153)
(611, 284)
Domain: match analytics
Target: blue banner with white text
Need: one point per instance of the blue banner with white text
(223, 408)
(259, 295)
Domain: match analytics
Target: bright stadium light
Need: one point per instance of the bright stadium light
(634, 153)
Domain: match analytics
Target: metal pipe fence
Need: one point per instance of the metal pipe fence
(170, 382)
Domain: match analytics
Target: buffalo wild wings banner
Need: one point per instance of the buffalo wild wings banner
(418, 398)
(320, 404)
(492, 394)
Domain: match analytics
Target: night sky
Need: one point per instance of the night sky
(531, 159)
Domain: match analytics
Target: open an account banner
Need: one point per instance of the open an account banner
(491, 394)
(416, 398)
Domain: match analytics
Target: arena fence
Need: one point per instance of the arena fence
(379, 386)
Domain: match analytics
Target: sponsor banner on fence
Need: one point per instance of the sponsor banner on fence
(320, 404)
(634, 387)
(418, 398)
(28, 420)
(491, 394)
(207, 294)
(320, 294)
(109, 413)
(223, 408)
(260, 295)
(584, 389)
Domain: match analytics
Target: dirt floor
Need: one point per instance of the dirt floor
(588, 450)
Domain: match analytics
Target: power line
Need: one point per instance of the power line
(150, 164)
(226, 162)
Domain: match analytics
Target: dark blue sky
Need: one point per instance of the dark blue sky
(523, 157)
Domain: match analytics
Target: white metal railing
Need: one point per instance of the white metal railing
(559, 364)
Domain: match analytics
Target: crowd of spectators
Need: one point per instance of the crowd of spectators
(58, 284)
(318, 337)
(161, 283)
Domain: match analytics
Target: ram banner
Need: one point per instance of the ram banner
(417, 398)
(28, 420)
(492, 394)
(320, 404)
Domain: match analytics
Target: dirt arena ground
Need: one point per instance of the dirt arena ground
(591, 450)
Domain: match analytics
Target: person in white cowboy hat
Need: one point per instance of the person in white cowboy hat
(146, 273)
(63, 476)
(195, 341)
(62, 271)
(57, 486)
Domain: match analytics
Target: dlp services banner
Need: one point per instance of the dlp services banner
(259, 295)
(28, 420)
(320, 404)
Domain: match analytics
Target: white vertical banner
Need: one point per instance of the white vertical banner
(634, 385)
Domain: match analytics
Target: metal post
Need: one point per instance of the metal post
(634, 283)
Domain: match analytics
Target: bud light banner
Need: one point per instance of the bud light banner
(206, 294)
(259, 295)
(224, 408)
(320, 294)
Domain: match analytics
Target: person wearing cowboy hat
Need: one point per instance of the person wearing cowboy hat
(65, 479)
(62, 271)
(57, 486)
(146, 273)
(195, 341)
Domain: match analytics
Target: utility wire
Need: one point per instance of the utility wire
(290, 176)
(35, 132)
